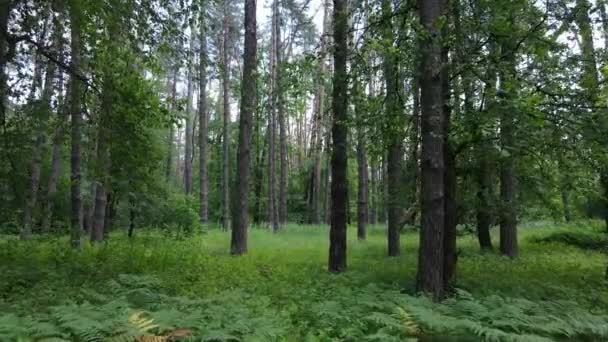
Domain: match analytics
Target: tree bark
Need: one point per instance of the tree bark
(102, 162)
(204, 126)
(238, 243)
(283, 164)
(339, 160)
(76, 122)
(47, 210)
(189, 126)
(451, 220)
(363, 175)
(171, 137)
(5, 11)
(373, 209)
(395, 126)
(226, 125)
(273, 210)
(430, 261)
(508, 185)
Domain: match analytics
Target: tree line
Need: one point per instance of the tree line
(458, 115)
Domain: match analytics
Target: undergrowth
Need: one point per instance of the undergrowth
(154, 286)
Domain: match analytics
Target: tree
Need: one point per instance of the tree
(238, 244)
(316, 140)
(394, 148)
(189, 125)
(203, 122)
(225, 68)
(76, 120)
(339, 160)
(273, 207)
(430, 260)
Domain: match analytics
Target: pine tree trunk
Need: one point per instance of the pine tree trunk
(273, 210)
(204, 127)
(451, 219)
(278, 88)
(189, 125)
(394, 115)
(171, 137)
(508, 212)
(373, 208)
(226, 124)
(430, 261)
(5, 10)
(103, 164)
(316, 140)
(76, 122)
(47, 209)
(362, 168)
(339, 159)
(47, 215)
(484, 173)
(238, 243)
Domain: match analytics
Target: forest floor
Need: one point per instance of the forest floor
(281, 291)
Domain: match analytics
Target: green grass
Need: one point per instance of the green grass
(281, 290)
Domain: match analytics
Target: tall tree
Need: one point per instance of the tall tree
(316, 140)
(339, 158)
(589, 81)
(203, 122)
(76, 122)
(508, 121)
(280, 103)
(189, 118)
(225, 67)
(273, 210)
(238, 244)
(395, 124)
(430, 260)
(172, 85)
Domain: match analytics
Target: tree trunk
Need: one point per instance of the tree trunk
(204, 127)
(362, 172)
(278, 88)
(273, 210)
(590, 78)
(430, 261)
(132, 216)
(5, 11)
(171, 137)
(76, 122)
(412, 162)
(451, 220)
(339, 159)
(395, 125)
(102, 177)
(238, 244)
(226, 126)
(508, 212)
(482, 150)
(373, 209)
(316, 140)
(47, 211)
(189, 125)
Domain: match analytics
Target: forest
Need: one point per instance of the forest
(303, 170)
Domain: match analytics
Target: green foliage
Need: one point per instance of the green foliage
(153, 285)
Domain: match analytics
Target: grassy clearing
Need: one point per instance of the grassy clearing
(281, 290)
